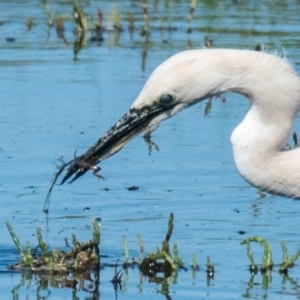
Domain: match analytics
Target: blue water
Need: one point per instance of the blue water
(52, 105)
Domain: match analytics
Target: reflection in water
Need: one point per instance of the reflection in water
(144, 53)
(113, 39)
(148, 140)
(60, 29)
(255, 289)
(88, 283)
(266, 280)
(79, 43)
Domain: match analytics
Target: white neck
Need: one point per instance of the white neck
(257, 142)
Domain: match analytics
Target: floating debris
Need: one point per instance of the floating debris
(133, 188)
(10, 39)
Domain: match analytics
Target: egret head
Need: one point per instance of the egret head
(179, 82)
(173, 86)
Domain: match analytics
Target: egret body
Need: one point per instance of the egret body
(191, 76)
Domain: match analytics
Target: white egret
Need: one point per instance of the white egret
(191, 76)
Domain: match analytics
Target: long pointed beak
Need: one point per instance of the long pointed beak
(126, 128)
(130, 125)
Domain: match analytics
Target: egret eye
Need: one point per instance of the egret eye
(166, 99)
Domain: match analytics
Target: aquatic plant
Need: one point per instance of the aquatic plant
(48, 12)
(210, 268)
(126, 251)
(131, 22)
(267, 263)
(26, 257)
(141, 245)
(162, 260)
(286, 262)
(82, 257)
(79, 18)
(195, 265)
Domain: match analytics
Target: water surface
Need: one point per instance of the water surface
(52, 105)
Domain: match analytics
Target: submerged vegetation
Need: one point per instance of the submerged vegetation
(161, 266)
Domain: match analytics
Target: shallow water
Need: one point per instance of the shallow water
(52, 105)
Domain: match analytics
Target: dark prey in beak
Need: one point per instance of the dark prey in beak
(130, 125)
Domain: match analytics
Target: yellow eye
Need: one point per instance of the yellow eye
(166, 99)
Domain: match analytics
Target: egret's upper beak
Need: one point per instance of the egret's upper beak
(130, 125)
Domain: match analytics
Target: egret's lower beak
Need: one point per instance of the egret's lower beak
(130, 125)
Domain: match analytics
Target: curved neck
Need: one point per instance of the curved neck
(257, 142)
